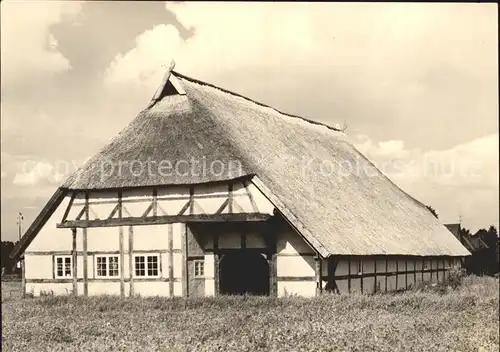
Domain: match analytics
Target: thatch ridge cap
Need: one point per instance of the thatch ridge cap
(197, 81)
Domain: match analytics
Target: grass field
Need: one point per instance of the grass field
(465, 319)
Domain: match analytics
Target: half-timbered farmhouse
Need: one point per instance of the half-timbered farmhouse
(207, 192)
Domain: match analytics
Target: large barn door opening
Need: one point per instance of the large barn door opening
(244, 273)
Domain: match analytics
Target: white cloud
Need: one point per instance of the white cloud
(373, 42)
(462, 180)
(38, 173)
(143, 64)
(27, 46)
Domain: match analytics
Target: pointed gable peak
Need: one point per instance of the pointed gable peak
(170, 86)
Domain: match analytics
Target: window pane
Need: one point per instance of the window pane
(139, 266)
(113, 266)
(152, 266)
(101, 266)
(67, 266)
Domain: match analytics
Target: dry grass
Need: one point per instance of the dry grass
(465, 319)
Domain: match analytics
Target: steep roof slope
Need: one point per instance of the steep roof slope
(348, 205)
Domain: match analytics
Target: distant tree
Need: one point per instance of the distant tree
(7, 263)
(490, 237)
(433, 211)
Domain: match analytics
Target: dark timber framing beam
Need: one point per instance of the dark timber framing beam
(120, 247)
(73, 262)
(85, 256)
(167, 219)
(215, 239)
(131, 259)
(185, 279)
(319, 274)
(170, 239)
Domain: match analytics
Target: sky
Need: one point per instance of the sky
(415, 84)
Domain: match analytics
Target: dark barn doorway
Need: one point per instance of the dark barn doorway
(244, 273)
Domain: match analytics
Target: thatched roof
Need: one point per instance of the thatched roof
(357, 213)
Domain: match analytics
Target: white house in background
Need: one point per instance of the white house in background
(207, 192)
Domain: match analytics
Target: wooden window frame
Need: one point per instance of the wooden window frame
(202, 264)
(63, 257)
(146, 262)
(107, 256)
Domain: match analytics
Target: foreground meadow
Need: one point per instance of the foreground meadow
(465, 319)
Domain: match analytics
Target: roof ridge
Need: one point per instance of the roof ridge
(194, 80)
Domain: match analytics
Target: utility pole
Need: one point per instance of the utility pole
(20, 219)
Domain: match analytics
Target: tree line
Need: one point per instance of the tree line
(484, 259)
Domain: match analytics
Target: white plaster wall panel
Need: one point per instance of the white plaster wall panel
(79, 240)
(104, 288)
(151, 288)
(391, 265)
(209, 287)
(410, 264)
(39, 267)
(165, 268)
(91, 266)
(50, 238)
(58, 289)
(369, 266)
(342, 286)
(411, 280)
(401, 265)
(103, 239)
(209, 265)
(178, 231)
(74, 211)
(381, 265)
(178, 289)
(299, 288)
(369, 285)
(229, 240)
(100, 195)
(79, 267)
(150, 237)
(136, 208)
(79, 287)
(177, 265)
(125, 266)
(100, 210)
(263, 204)
(243, 204)
(418, 265)
(211, 189)
(208, 205)
(137, 194)
(401, 281)
(355, 285)
(295, 266)
(290, 242)
(381, 283)
(342, 267)
(171, 206)
(391, 283)
(255, 240)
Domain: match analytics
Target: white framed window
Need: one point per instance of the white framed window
(63, 266)
(199, 268)
(107, 266)
(147, 265)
